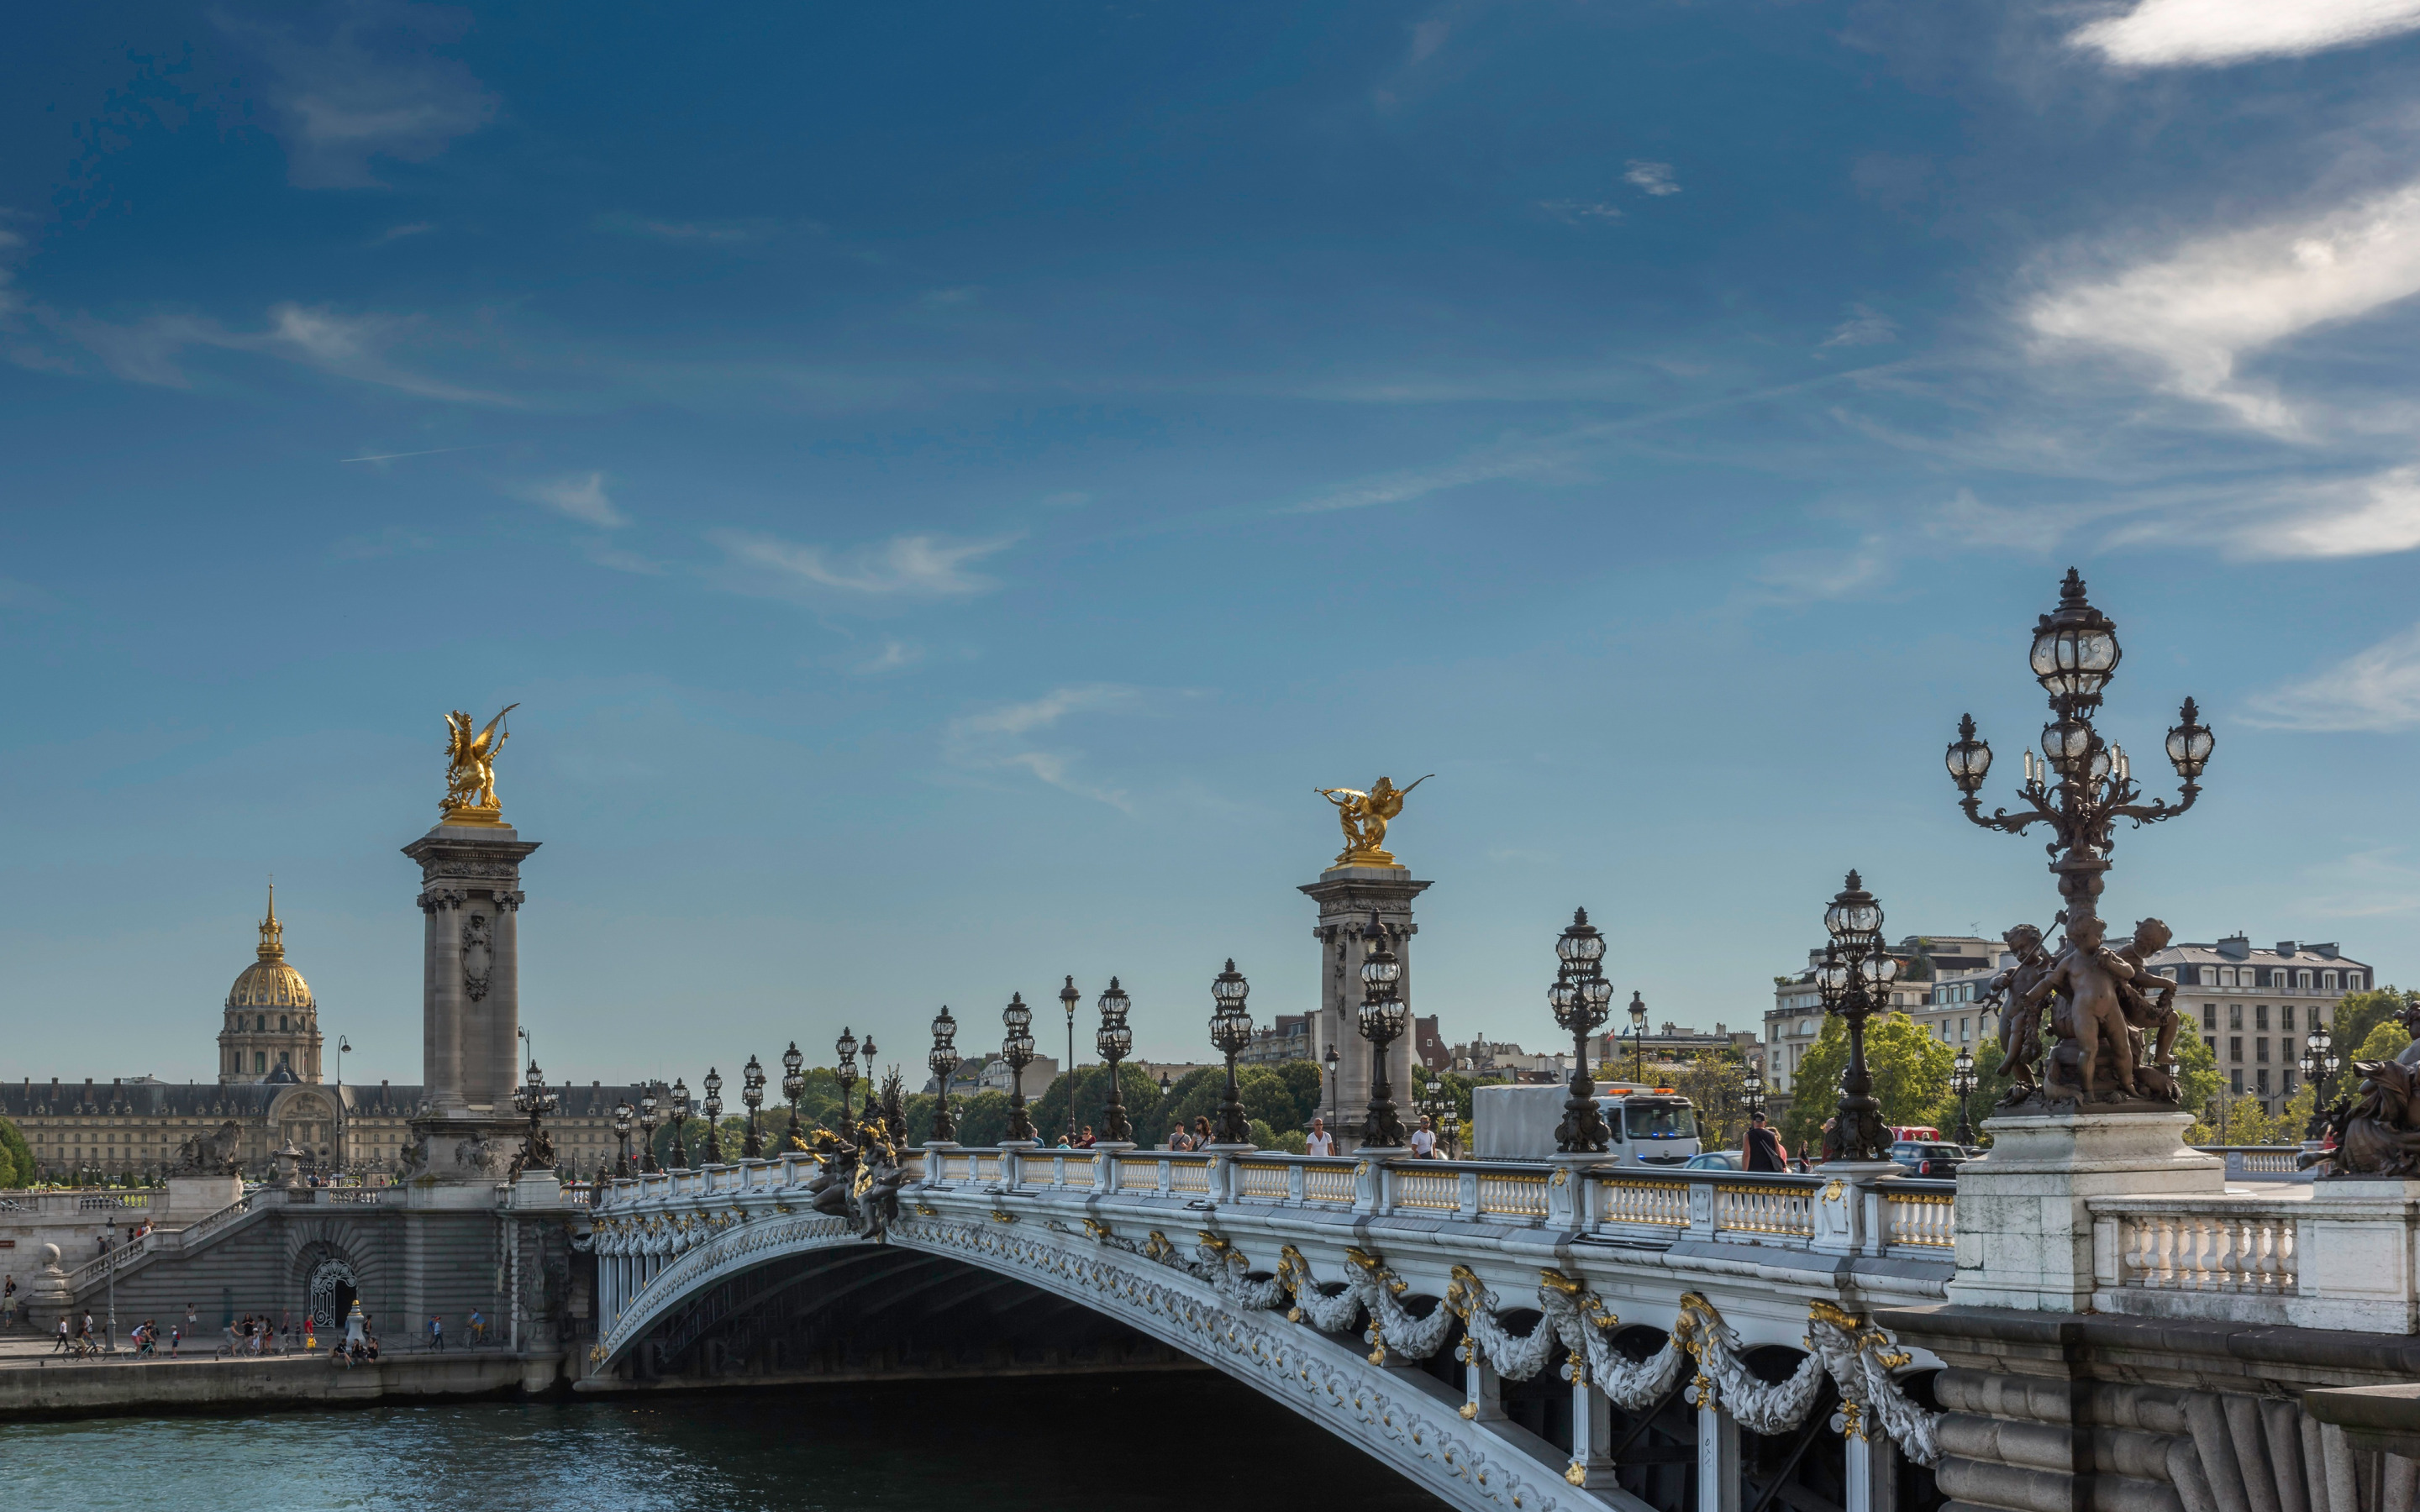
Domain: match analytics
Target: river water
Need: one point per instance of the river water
(1178, 1443)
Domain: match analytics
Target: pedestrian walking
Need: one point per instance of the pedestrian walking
(1764, 1152)
(61, 1347)
(436, 1331)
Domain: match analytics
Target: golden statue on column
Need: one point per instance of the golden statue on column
(1364, 816)
(470, 769)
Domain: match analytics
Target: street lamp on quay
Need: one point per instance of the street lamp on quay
(1231, 1030)
(1637, 1037)
(1016, 1048)
(1381, 1023)
(944, 1060)
(1068, 999)
(793, 1085)
(1580, 998)
(622, 1133)
(2082, 786)
(751, 1091)
(649, 1120)
(1963, 1083)
(712, 1108)
(1854, 980)
(1115, 1041)
(681, 1107)
(2319, 1063)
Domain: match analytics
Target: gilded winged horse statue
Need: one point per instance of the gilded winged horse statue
(470, 768)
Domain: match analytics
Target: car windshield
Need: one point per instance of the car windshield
(1660, 1121)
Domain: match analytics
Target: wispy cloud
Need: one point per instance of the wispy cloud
(2195, 313)
(1654, 177)
(396, 233)
(1823, 572)
(1547, 457)
(355, 82)
(692, 232)
(1864, 328)
(894, 655)
(580, 496)
(2377, 689)
(1580, 211)
(1001, 738)
(2201, 33)
(355, 347)
(949, 299)
(905, 566)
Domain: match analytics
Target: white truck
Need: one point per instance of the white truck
(1646, 1126)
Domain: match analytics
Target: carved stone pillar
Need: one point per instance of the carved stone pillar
(470, 1001)
(1719, 1456)
(1347, 897)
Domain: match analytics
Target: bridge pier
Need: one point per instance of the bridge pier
(1718, 1457)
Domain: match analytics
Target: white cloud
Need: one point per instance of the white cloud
(580, 496)
(2197, 312)
(361, 81)
(2377, 689)
(1654, 177)
(1864, 328)
(2361, 518)
(921, 566)
(1580, 211)
(2188, 33)
(1824, 573)
(894, 655)
(998, 738)
(344, 346)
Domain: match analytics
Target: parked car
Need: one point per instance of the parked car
(1718, 1159)
(1923, 1159)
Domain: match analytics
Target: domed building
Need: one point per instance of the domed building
(271, 1022)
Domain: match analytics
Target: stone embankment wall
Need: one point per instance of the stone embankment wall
(62, 1388)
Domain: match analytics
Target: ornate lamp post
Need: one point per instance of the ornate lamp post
(1068, 999)
(537, 1151)
(649, 1120)
(1854, 981)
(1961, 1086)
(1231, 1030)
(1334, 1062)
(794, 1085)
(1580, 998)
(622, 1133)
(844, 1070)
(2319, 1063)
(944, 1061)
(1018, 1050)
(751, 1091)
(1638, 1037)
(712, 1108)
(1381, 1023)
(1115, 1041)
(2082, 786)
(681, 1110)
(1752, 1092)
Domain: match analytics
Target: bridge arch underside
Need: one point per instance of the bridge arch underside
(855, 1312)
(951, 1297)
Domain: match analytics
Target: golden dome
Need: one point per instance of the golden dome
(270, 982)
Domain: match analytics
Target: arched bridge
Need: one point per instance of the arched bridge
(1530, 1336)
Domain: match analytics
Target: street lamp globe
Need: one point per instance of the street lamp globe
(2075, 649)
(1231, 1030)
(944, 1060)
(1115, 1041)
(2189, 743)
(1969, 759)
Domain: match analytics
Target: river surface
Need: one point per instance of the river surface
(1176, 1443)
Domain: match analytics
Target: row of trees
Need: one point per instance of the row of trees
(16, 1159)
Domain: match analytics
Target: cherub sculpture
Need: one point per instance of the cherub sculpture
(2379, 1135)
(1365, 817)
(2088, 1017)
(2150, 1013)
(2020, 1020)
(471, 763)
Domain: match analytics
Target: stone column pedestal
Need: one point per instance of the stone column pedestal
(470, 899)
(2025, 1228)
(192, 1199)
(1347, 897)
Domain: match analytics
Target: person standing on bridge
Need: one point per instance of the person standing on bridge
(1319, 1141)
(1425, 1140)
(1764, 1152)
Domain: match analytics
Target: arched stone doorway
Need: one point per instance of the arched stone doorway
(329, 1290)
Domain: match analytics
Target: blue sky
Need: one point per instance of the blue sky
(945, 484)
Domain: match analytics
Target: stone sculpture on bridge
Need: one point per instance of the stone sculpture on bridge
(470, 768)
(1365, 817)
(2377, 1129)
(212, 1154)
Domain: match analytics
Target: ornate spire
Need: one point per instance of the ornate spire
(273, 934)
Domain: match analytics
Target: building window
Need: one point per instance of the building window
(2285, 1017)
(2303, 981)
(1963, 1033)
(2260, 1050)
(2235, 1015)
(2235, 1081)
(2286, 1081)
(2235, 1047)
(2259, 1015)
(2352, 981)
(2210, 1015)
(2264, 1084)
(260, 1060)
(2212, 1045)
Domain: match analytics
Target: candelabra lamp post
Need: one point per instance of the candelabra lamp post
(537, 1151)
(1115, 1042)
(793, 1085)
(1068, 999)
(845, 1071)
(1382, 1024)
(944, 1060)
(1334, 1063)
(1231, 1030)
(1638, 1038)
(1580, 998)
(2082, 786)
(2319, 1065)
(650, 1120)
(1854, 980)
(751, 1091)
(1963, 1083)
(1752, 1092)
(622, 1111)
(682, 1107)
(712, 1108)
(1016, 1048)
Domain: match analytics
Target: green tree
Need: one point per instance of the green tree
(2198, 1076)
(1908, 1067)
(2359, 1014)
(1712, 1083)
(1090, 1087)
(2384, 1041)
(20, 1156)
